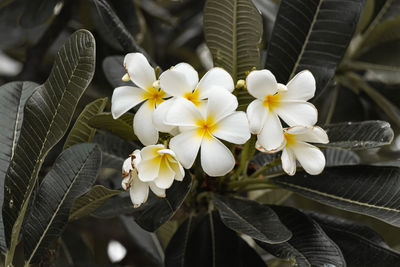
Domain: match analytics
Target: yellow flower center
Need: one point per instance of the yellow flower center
(206, 127)
(290, 139)
(272, 101)
(154, 96)
(193, 97)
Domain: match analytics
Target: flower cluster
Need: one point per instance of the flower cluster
(198, 114)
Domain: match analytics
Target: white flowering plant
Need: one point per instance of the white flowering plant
(230, 133)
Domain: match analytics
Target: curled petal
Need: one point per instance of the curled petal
(124, 98)
(139, 192)
(310, 157)
(301, 87)
(233, 128)
(127, 165)
(297, 113)
(215, 77)
(261, 83)
(288, 161)
(156, 190)
(216, 158)
(271, 136)
(143, 125)
(186, 145)
(256, 114)
(139, 69)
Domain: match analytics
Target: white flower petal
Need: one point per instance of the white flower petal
(233, 128)
(310, 157)
(126, 182)
(175, 83)
(288, 161)
(156, 190)
(190, 73)
(127, 165)
(148, 169)
(165, 176)
(179, 171)
(139, 192)
(301, 87)
(297, 113)
(183, 113)
(217, 77)
(139, 69)
(256, 114)
(261, 83)
(313, 134)
(186, 145)
(151, 152)
(160, 114)
(221, 104)
(136, 157)
(216, 158)
(124, 98)
(271, 136)
(143, 125)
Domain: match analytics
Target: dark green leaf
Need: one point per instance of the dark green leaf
(311, 35)
(81, 132)
(369, 190)
(309, 246)
(122, 127)
(359, 135)
(251, 218)
(360, 245)
(113, 68)
(118, 29)
(119, 205)
(233, 29)
(37, 12)
(92, 200)
(73, 173)
(12, 101)
(208, 242)
(47, 114)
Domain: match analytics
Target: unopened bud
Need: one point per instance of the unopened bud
(156, 85)
(126, 77)
(241, 84)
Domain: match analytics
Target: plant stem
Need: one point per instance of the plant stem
(270, 165)
(258, 187)
(247, 152)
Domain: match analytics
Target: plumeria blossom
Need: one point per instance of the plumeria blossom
(201, 128)
(274, 101)
(182, 81)
(296, 147)
(139, 190)
(147, 89)
(159, 166)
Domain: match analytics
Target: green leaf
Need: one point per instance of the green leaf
(81, 132)
(359, 135)
(233, 29)
(251, 218)
(311, 35)
(208, 242)
(73, 173)
(47, 114)
(369, 190)
(309, 246)
(366, 16)
(152, 214)
(360, 245)
(113, 68)
(37, 12)
(122, 127)
(92, 200)
(12, 101)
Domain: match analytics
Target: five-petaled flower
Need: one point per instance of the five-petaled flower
(182, 81)
(139, 190)
(274, 100)
(202, 127)
(126, 97)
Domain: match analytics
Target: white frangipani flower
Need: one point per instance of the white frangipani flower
(159, 166)
(296, 147)
(182, 81)
(202, 127)
(139, 190)
(274, 101)
(126, 97)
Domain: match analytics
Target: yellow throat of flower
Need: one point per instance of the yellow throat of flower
(206, 127)
(154, 96)
(193, 97)
(290, 139)
(272, 101)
